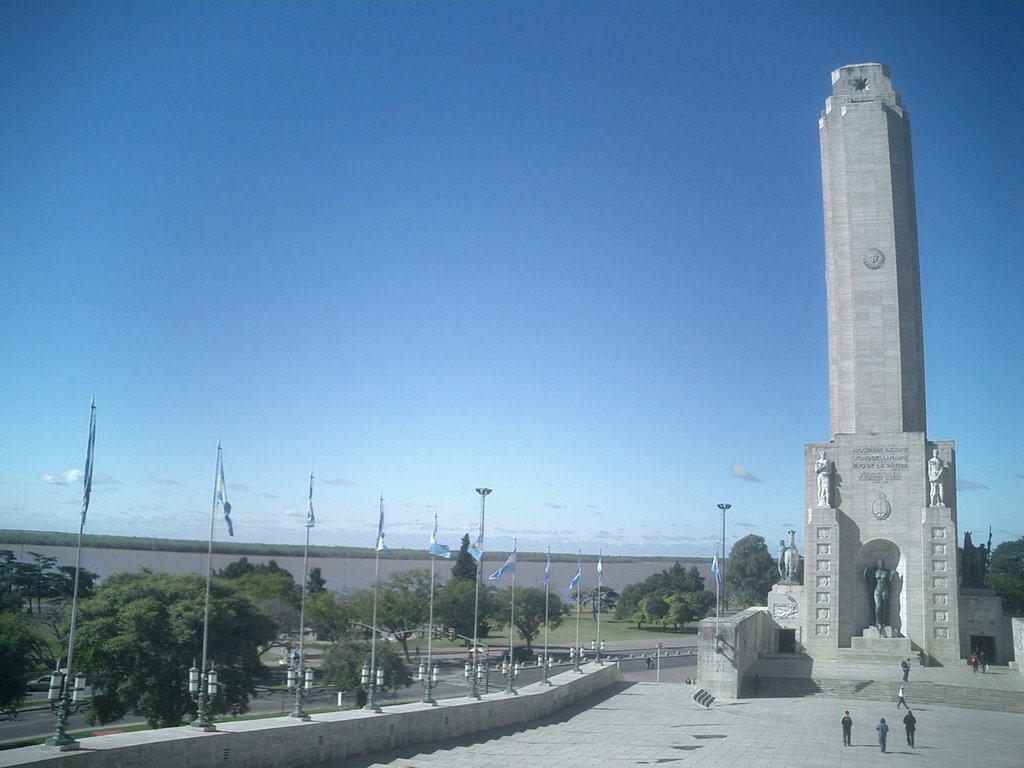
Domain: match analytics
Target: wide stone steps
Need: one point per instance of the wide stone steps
(917, 693)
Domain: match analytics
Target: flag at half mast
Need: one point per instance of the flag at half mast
(438, 550)
(509, 565)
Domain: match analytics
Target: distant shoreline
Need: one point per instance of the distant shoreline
(140, 543)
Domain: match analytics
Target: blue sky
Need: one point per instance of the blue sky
(572, 251)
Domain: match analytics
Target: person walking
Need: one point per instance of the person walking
(910, 723)
(847, 723)
(883, 731)
(900, 699)
(905, 665)
(974, 662)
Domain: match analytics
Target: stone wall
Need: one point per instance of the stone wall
(284, 742)
(727, 649)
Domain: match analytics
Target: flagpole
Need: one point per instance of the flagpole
(201, 680)
(427, 673)
(547, 589)
(60, 739)
(512, 628)
(579, 648)
(299, 676)
(600, 582)
(474, 688)
(373, 640)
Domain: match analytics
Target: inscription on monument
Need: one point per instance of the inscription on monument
(885, 464)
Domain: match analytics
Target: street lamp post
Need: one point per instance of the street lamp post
(203, 694)
(474, 685)
(65, 697)
(300, 682)
(721, 561)
(510, 671)
(371, 679)
(427, 676)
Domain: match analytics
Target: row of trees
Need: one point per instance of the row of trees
(139, 633)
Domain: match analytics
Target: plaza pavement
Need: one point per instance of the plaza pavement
(639, 722)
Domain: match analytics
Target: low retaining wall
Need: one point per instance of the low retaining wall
(284, 742)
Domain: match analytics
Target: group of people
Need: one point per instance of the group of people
(909, 723)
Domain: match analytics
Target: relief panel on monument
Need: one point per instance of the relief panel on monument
(824, 565)
(941, 616)
(940, 598)
(824, 549)
(941, 633)
(940, 582)
(939, 533)
(821, 630)
(938, 549)
(938, 565)
(824, 597)
(824, 533)
(824, 582)
(823, 614)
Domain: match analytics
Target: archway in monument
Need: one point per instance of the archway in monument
(865, 566)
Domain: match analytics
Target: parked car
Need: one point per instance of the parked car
(39, 683)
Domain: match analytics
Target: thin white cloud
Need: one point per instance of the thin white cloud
(742, 473)
(963, 484)
(64, 478)
(340, 481)
(160, 480)
(554, 505)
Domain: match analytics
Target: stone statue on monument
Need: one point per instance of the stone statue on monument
(823, 471)
(936, 470)
(878, 584)
(789, 560)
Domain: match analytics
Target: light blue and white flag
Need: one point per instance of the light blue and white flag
(547, 570)
(714, 570)
(438, 550)
(222, 493)
(380, 528)
(576, 577)
(476, 549)
(508, 567)
(87, 477)
(310, 519)
(600, 572)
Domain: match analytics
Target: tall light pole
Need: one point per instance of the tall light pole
(721, 561)
(474, 692)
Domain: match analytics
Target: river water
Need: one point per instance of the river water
(347, 574)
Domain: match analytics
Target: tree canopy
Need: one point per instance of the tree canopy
(1006, 575)
(673, 596)
(140, 632)
(752, 571)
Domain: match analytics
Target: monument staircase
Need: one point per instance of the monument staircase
(1001, 690)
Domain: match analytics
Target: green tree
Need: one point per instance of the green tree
(609, 599)
(529, 613)
(453, 608)
(15, 663)
(752, 571)
(344, 660)
(1006, 575)
(141, 632)
(465, 566)
(315, 583)
(403, 605)
(330, 618)
(684, 607)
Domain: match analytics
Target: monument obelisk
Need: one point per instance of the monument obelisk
(880, 534)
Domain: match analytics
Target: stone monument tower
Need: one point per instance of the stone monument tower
(880, 533)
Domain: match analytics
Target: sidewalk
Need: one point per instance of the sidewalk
(643, 723)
